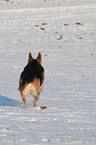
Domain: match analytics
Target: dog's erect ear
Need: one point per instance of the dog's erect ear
(30, 57)
(39, 56)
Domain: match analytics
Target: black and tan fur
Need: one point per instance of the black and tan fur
(32, 79)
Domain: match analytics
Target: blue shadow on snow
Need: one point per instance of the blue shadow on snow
(5, 101)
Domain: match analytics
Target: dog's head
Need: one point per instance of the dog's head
(38, 58)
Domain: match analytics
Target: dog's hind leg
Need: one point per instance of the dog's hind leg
(25, 93)
(34, 102)
(24, 98)
(25, 101)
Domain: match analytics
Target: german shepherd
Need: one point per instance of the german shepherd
(32, 79)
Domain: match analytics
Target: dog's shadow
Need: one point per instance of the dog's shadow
(5, 101)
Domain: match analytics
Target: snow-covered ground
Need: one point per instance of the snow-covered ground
(65, 33)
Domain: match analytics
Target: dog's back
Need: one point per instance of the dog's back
(32, 79)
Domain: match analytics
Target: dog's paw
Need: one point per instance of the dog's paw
(34, 105)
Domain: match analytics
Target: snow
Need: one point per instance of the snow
(65, 34)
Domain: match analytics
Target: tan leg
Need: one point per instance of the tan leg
(34, 102)
(25, 104)
(25, 101)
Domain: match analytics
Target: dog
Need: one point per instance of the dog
(32, 79)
